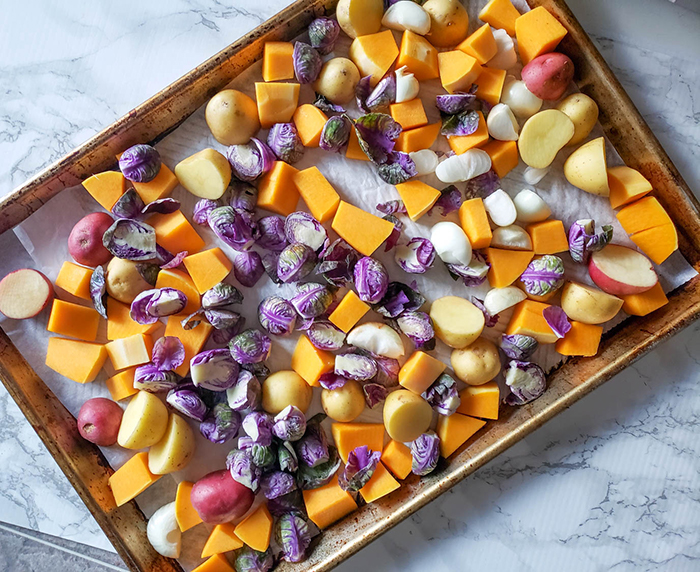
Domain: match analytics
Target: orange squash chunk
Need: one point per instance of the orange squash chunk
(163, 184)
(131, 479)
(106, 188)
(216, 563)
(309, 121)
(537, 32)
(363, 231)
(409, 114)
(417, 139)
(277, 102)
(193, 339)
(318, 194)
(277, 191)
(121, 385)
(500, 14)
(417, 197)
(506, 265)
(74, 279)
(79, 361)
(548, 237)
(185, 513)
(373, 54)
(475, 223)
(462, 143)
(646, 302)
(458, 71)
(119, 322)
(456, 430)
(349, 436)
(73, 320)
(643, 214)
(490, 85)
(277, 61)
(657, 243)
(174, 278)
(221, 539)
(480, 45)
(626, 185)
(175, 233)
(208, 268)
(527, 319)
(504, 156)
(398, 459)
(480, 400)
(381, 484)
(310, 362)
(419, 56)
(131, 351)
(328, 503)
(256, 528)
(420, 371)
(348, 312)
(354, 151)
(581, 340)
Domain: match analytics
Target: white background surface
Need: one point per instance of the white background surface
(610, 484)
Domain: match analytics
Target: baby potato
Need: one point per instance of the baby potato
(477, 363)
(232, 117)
(406, 415)
(449, 22)
(175, 450)
(284, 388)
(456, 321)
(124, 281)
(583, 111)
(205, 174)
(144, 422)
(360, 17)
(343, 404)
(338, 80)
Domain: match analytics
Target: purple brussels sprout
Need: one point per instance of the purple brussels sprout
(292, 502)
(371, 280)
(583, 239)
(246, 392)
(222, 319)
(251, 160)
(395, 235)
(187, 401)
(323, 33)
(165, 302)
(330, 381)
(526, 382)
(258, 426)
(473, 274)
(335, 133)
(237, 228)
(243, 470)
(168, 353)
(250, 346)
(397, 169)
(289, 424)
(215, 370)
(301, 227)
(557, 319)
(362, 462)
(338, 260)
(263, 456)
(418, 327)
(277, 483)
(293, 535)
(543, 275)
(244, 196)
(489, 320)
(454, 103)
(129, 205)
(442, 395)
(150, 378)
(392, 207)
(221, 425)
(387, 371)
(459, 124)
(220, 295)
(307, 63)
(425, 452)
(325, 336)
(518, 346)
(271, 233)
(277, 316)
(175, 261)
(140, 163)
(130, 240)
(327, 106)
(258, 369)
(287, 457)
(248, 268)
(482, 185)
(320, 474)
(166, 205)
(362, 92)
(312, 299)
(449, 201)
(374, 393)
(284, 141)
(295, 262)
(355, 366)
(383, 94)
(249, 560)
(416, 256)
(399, 298)
(312, 449)
(377, 134)
(98, 290)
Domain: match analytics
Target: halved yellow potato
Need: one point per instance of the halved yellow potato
(144, 422)
(175, 450)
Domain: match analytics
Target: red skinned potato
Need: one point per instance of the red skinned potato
(621, 271)
(24, 293)
(85, 240)
(218, 498)
(98, 421)
(548, 75)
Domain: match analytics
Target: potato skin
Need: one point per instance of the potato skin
(232, 117)
(457, 322)
(284, 388)
(583, 112)
(478, 363)
(548, 75)
(124, 282)
(589, 305)
(144, 422)
(337, 81)
(85, 240)
(98, 421)
(344, 404)
(218, 498)
(175, 450)
(449, 22)
(360, 17)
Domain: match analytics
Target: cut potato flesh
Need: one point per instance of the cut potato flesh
(542, 136)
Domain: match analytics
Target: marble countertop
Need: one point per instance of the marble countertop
(610, 484)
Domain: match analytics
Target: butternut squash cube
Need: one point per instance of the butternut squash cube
(504, 156)
(475, 223)
(327, 504)
(537, 32)
(657, 243)
(75, 280)
(221, 539)
(417, 197)
(500, 14)
(349, 436)
(193, 340)
(506, 265)
(185, 513)
(643, 214)
(417, 139)
(354, 151)
(646, 302)
(456, 430)
(216, 563)
(419, 56)
(208, 268)
(420, 371)
(174, 278)
(480, 45)
(458, 71)
(256, 528)
(581, 340)
(106, 188)
(527, 319)
(409, 114)
(73, 320)
(310, 362)
(277, 191)
(548, 237)
(121, 385)
(381, 484)
(398, 459)
(119, 322)
(127, 352)
(161, 186)
(462, 143)
(277, 63)
(490, 85)
(309, 121)
(318, 194)
(276, 102)
(480, 400)
(131, 479)
(626, 185)
(374, 54)
(348, 312)
(79, 361)
(363, 231)
(175, 233)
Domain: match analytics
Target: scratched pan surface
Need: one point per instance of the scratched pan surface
(87, 469)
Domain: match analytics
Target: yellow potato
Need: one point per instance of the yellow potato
(542, 136)
(587, 168)
(124, 281)
(175, 450)
(449, 22)
(360, 17)
(232, 117)
(456, 321)
(478, 363)
(338, 80)
(343, 404)
(589, 305)
(406, 415)
(205, 174)
(284, 388)
(583, 111)
(144, 422)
